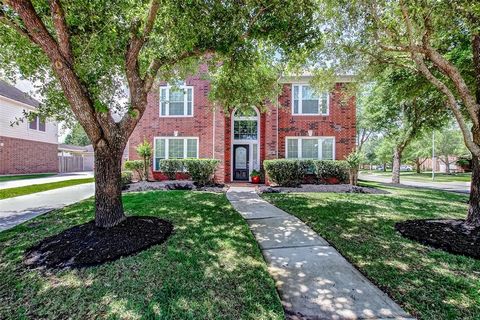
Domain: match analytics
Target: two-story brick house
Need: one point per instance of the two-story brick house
(30, 146)
(180, 122)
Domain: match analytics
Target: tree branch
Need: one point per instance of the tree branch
(451, 101)
(74, 91)
(61, 29)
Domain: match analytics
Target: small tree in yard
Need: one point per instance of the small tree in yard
(88, 53)
(353, 160)
(449, 146)
(144, 151)
(419, 151)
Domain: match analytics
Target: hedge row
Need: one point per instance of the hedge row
(201, 171)
(291, 173)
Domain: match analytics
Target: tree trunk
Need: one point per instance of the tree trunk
(397, 159)
(447, 166)
(473, 216)
(384, 167)
(108, 187)
(417, 165)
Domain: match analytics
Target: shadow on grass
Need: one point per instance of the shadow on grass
(428, 283)
(210, 268)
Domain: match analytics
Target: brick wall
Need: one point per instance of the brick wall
(18, 156)
(200, 125)
(213, 128)
(340, 122)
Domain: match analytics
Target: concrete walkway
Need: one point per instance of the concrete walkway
(14, 211)
(55, 178)
(314, 281)
(458, 187)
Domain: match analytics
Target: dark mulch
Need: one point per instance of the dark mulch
(449, 235)
(87, 245)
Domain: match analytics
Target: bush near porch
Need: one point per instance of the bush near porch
(291, 173)
(201, 171)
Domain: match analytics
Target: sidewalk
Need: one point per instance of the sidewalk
(458, 187)
(16, 210)
(56, 178)
(314, 281)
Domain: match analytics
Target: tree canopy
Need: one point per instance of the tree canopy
(92, 55)
(77, 136)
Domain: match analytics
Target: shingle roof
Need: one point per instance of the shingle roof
(9, 91)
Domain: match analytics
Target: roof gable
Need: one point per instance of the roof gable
(10, 92)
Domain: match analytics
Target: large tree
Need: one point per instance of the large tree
(85, 53)
(402, 106)
(440, 40)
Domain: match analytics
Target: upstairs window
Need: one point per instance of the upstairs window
(306, 102)
(318, 148)
(174, 148)
(245, 124)
(37, 124)
(176, 100)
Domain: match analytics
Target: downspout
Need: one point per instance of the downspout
(213, 132)
(276, 151)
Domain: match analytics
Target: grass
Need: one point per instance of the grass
(425, 176)
(21, 191)
(428, 283)
(210, 268)
(25, 176)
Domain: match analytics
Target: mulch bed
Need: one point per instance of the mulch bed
(336, 188)
(172, 185)
(449, 235)
(87, 245)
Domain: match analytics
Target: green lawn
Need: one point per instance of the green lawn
(26, 176)
(210, 268)
(425, 176)
(20, 191)
(428, 283)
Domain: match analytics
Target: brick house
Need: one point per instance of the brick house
(29, 147)
(183, 124)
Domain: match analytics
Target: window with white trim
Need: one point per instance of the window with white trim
(176, 100)
(37, 124)
(321, 148)
(174, 148)
(306, 102)
(245, 124)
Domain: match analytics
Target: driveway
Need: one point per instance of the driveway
(56, 178)
(459, 187)
(14, 211)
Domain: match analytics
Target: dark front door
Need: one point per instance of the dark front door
(240, 162)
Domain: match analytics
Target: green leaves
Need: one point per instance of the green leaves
(247, 42)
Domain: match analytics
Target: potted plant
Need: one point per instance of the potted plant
(256, 176)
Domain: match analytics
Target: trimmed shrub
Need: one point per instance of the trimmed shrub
(135, 166)
(326, 170)
(285, 172)
(170, 167)
(291, 173)
(201, 170)
(126, 178)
